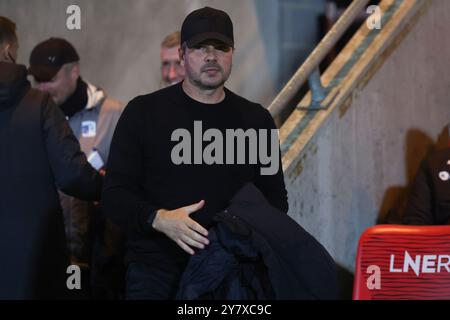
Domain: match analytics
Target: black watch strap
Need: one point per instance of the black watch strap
(151, 217)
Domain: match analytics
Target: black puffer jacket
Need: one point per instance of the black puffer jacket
(38, 153)
(258, 252)
(429, 201)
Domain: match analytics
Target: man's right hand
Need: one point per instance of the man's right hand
(178, 226)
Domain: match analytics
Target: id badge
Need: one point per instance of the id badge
(88, 129)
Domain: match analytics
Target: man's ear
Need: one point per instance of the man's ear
(181, 55)
(75, 72)
(4, 48)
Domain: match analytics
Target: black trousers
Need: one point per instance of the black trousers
(153, 281)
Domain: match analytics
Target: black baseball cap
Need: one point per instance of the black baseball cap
(207, 24)
(49, 56)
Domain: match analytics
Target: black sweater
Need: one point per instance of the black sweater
(142, 178)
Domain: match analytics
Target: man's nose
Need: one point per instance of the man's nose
(211, 54)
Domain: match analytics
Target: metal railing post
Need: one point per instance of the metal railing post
(318, 92)
(316, 57)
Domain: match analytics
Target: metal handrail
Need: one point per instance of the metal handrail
(316, 57)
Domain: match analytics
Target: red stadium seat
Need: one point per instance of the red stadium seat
(396, 262)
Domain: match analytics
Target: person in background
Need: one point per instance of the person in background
(92, 115)
(172, 69)
(38, 154)
(429, 200)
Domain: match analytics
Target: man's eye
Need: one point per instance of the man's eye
(222, 48)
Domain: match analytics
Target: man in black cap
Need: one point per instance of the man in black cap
(167, 206)
(38, 152)
(54, 64)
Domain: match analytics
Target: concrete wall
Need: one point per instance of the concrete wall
(299, 33)
(360, 161)
(119, 40)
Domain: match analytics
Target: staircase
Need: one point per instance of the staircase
(387, 100)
